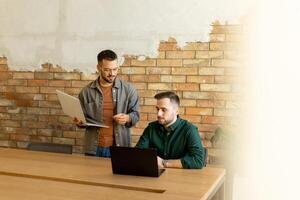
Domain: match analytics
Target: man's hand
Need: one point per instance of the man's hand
(122, 118)
(78, 123)
(160, 162)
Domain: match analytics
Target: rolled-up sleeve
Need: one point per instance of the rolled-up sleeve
(133, 108)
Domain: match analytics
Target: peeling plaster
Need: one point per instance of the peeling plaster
(70, 33)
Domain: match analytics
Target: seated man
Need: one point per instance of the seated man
(177, 141)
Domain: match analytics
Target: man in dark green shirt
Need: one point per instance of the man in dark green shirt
(177, 141)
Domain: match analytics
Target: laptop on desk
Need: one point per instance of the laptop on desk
(135, 161)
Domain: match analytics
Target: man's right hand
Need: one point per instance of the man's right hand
(78, 123)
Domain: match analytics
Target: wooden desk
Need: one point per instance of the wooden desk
(81, 175)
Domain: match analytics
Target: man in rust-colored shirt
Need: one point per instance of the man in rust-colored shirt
(110, 101)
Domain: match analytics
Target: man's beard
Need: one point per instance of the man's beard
(164, 121)
(109, 80)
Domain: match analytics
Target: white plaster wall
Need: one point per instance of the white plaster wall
(70, 33)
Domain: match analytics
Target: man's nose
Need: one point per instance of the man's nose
(159, 113)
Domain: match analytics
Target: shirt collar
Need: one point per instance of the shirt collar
(173, 126)
(95, 83)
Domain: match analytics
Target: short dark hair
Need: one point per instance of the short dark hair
(107, 55)
(170, 95)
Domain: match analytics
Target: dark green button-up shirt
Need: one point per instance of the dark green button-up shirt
(180, 141)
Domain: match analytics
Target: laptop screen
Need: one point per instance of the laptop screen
(134, 161)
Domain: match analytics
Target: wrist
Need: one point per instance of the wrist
(165, 163)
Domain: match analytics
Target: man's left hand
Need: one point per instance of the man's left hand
(122, 118)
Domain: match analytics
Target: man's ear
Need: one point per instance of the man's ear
(99, 67)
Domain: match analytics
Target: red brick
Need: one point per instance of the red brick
(200, 79)
(50, 90)
(144, 78)
(228, 79)
(209, 54)
(64, 141)
(158, 70)
(213, 120)
(49, 104)
(7, 89)
(5, 75)
(161, 55)
(211, 71)
(32, 124)
(144, 63)
(21, 89)
(6, 102)
(196, 46)
(17, 82)
(159, 86)
(133, 70)
(88, 77)
(67, 76)
(23, 75)
(217, 46)
(73, 91)
(59, 83)
(152, 116)
(26, 103)
(186, 86)
(188, 102)
(3, 68)
(199, 111)
(197, 95)
(169, 62)
(10, 123)
(185, 70)
(180, 54)
(140, 86)
(150, 101)
(165, 46)
(35, 138)
(142, 124)
(37, 82)
(196, 62)
(137, 131)
(48, 118)
(225, 63)
(43, 75)
(127, 62)
(217, 37)
(3, 60)
(73, 134)
(19, 137)
(39, 111)
(80, 84)
(147, 109)
(210, 103)
(192, 118)
(4, 136)
(172, 79)
(147, 93)
(215, 87)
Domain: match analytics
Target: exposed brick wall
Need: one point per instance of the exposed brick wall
(206, 76)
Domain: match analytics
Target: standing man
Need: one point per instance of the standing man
(177, 141)
(110, 101)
